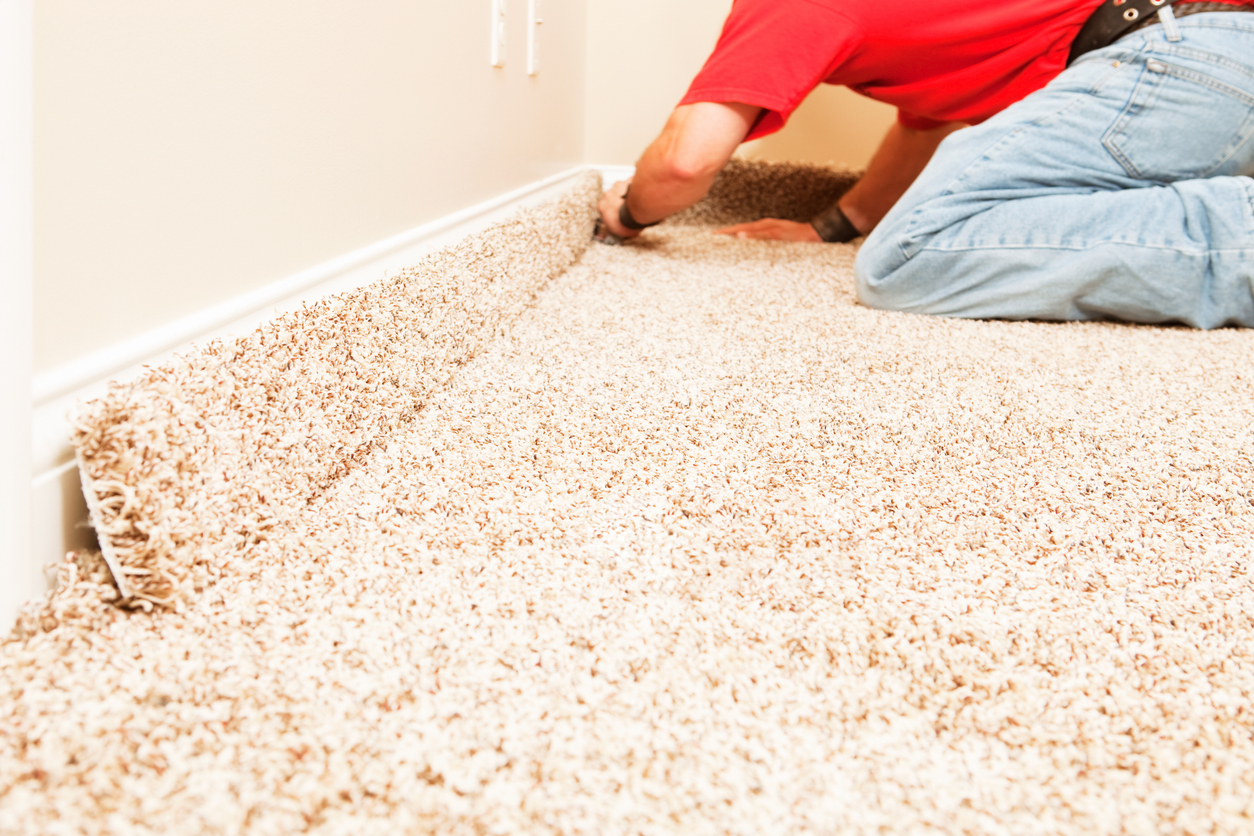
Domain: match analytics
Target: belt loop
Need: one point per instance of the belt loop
(1168, 18)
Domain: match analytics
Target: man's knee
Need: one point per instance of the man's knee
(881, 273)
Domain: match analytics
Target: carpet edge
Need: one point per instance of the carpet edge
(176, 477)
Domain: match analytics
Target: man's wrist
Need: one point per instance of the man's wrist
(625, 217)
(834, 226)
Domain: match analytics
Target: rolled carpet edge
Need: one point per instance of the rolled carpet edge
(196, 460)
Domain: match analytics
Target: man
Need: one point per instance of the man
(1107, 173)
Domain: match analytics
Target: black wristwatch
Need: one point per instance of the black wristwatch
(625, 218)
(833, 226)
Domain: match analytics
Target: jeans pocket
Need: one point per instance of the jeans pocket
(1185, 121)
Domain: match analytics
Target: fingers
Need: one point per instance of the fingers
(609, 205)
(754, 229)
(771, 229)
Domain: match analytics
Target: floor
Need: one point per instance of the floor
(692, 543)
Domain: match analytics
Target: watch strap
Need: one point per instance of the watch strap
(833, 226)
(625, 218)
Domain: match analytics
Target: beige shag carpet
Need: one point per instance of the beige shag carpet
(671, 538)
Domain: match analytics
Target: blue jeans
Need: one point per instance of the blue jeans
(1121, 190)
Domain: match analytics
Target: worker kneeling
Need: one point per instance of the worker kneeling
(1106, 172)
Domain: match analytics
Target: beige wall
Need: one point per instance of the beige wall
(643, 53)
(188, 152)
(641, 56)
(833, 126)
(20, 577)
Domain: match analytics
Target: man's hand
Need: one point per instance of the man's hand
(902, 155)
(772, 229)
(609, 205)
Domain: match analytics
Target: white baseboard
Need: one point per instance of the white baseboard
(59, 512)
(613, 173)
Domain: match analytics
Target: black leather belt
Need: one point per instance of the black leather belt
(1115, 18)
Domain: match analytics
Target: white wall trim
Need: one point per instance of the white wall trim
(611, 174)
(84, 370)
(19, 575)
(59, 511)
(56, 391)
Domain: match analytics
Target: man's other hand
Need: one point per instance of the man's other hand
(773, 229)
(609, 205)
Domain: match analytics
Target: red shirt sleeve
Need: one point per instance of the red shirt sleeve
(772, 55)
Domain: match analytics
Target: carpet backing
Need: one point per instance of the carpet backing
(674, 537)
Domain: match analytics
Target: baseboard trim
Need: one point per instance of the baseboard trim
(613, 173)
(59, 512)
(80, 372)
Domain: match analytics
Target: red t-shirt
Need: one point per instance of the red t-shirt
(937, 61)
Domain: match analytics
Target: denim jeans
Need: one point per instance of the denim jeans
(1121, 190)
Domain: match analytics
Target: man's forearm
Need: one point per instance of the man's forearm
(900, 159)
(658, 192)
(678, 168)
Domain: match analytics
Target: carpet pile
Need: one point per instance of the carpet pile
(674, 537)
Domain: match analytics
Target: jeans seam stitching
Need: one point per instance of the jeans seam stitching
(1121, 120)
(1208, 81)
(1084, 247)
(1205, 57)
(1249, 203)
(1076, 100)
(1186, 75)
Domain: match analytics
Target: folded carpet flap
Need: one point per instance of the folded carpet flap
(748, 190)
(207, 453)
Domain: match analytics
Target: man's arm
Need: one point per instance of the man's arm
(678, 168)
(900, 159)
